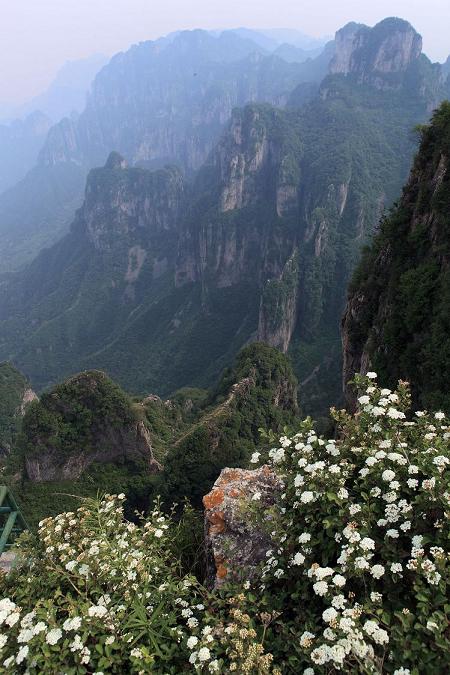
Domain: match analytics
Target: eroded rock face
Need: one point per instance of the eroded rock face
(388, 48)
(235, 546)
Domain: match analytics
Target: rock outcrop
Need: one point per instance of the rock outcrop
(15, 396)
(83, 421)
(161, 281)
(235, 546)
(377, 56)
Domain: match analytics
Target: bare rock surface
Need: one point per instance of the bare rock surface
(235, 545)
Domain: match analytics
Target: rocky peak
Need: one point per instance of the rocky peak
(115, 161)
(129, 206)
(86, 419)
(374, 54)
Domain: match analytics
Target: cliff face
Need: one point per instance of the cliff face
(20, 144)
(15, 396)
(160, 102)
(168, 100)
(378, 56)
(397, 316)
(161, 282)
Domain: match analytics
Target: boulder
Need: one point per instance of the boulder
(236, 544)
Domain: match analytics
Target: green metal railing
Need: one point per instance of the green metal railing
(12, 523)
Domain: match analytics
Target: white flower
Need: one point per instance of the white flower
(417, 541)
(392, 533)
(439, 416)
(402, 671)
(376, 633)
(304, 538)
(367, 544)
(22, 654)
(192, 641)
(377, 571)
(339, 580)
(388, 475)
(395, 414)
(306, 638)
(255, 457)
(371, 375)
(97, 610)
(214, 666)
(53, 636)
(329, 615)
(338, 601)
(158, 533)
(308, 671)
(412, 483)
(342, 493)
(25, 635)
(72, 624)
(299, 559)
(70, 566)
(307, 497)
(361, 563)
(256, 496)
(364, 400)
(320, 587)
(396, 568)
(204, 654)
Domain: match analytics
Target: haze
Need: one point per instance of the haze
(36, 38)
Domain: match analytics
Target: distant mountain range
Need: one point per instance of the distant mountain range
(165, 274)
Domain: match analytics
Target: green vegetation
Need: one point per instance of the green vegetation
(82, 437)
(12, 388)
(404, 277)
(260, 391)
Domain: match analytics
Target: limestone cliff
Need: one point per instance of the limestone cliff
(378, 56)
(15, 396)
(397, 316)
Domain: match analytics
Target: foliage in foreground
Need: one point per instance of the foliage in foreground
(356, 581)
(359, 569)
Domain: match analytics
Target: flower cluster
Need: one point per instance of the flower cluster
(94, 593)
(362, 532)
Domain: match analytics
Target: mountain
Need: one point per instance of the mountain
(20, 143)
(397, 316)
(86, 435)
(68, 91)
(161, 281)
(446, 67)
(160, 102)
(15, 395)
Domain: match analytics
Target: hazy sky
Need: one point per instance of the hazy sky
(37, 36)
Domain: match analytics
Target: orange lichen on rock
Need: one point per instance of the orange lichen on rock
(213, 498)
(221, 571)
(217, 522)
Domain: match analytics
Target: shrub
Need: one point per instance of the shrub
(93, 593)
(360, 566)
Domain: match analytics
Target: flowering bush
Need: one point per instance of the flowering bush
(93, 593)
(356, 580)
(360, 562)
